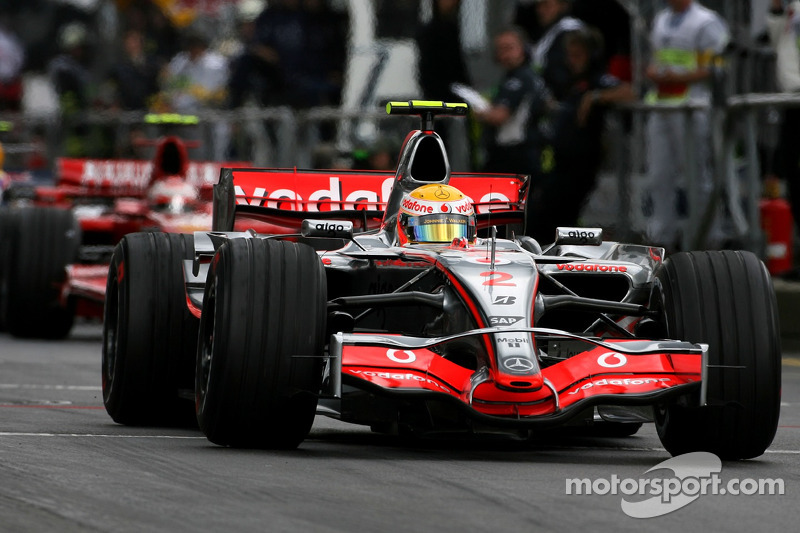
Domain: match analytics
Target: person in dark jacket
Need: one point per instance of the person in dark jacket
(441, 61)
(578, 126)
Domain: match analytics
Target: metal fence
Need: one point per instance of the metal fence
(282, 137)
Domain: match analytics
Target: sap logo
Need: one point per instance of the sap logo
(504, 300)
(504, 320)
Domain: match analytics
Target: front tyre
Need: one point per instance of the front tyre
(724, 299)
(259, 354)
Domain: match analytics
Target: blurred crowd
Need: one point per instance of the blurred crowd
(561, 64)
(285, 52)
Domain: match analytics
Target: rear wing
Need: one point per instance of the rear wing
(126, 177)
(276, 201)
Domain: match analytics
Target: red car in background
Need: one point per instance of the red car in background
(56, 240)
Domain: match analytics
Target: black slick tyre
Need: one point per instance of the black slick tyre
(7, 229)
(43, 242)
(724, 299)
(259, 354)
(149, 334)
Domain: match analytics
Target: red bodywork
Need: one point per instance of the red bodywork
(110, 199)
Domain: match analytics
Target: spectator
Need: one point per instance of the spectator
(441, 62)
(513, 116)
(68, 71)
(135, 77)
(162, 40)
(253, 75)
(195, 78)
(281, 41)
(783, 24)
(12, 59)
(514, 136)
(72, 83)
(614, 24)
(685, 38)
(548, 53)
(578, 127)
(326, 34)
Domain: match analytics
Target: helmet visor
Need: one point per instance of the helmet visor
(442, 227)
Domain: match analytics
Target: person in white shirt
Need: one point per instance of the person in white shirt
(783, 25)
(685, 38)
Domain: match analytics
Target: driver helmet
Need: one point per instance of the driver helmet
(172, 195)
(436, 213)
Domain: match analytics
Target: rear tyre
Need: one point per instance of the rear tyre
(6, 231)
(43, 242)
(262, 334)
(149, 335)
(724, 299)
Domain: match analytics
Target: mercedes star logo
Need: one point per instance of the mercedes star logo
(441, 194)
(518, 364)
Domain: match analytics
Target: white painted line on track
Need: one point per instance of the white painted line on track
(642, 449)
(96, 435)
(50, 387)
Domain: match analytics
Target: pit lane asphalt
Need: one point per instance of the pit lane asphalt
(65, 466)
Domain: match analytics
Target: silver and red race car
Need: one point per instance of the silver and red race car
(56, 240)
(337, 309)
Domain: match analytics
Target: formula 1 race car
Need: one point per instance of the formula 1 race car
(56, 240)
(387, 299)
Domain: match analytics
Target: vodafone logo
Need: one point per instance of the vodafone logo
(612, 360)
(445, 208)
(416, 206)
(581, 267)
(401, 356)
(337, 194)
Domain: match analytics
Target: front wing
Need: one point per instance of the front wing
(609, 372)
